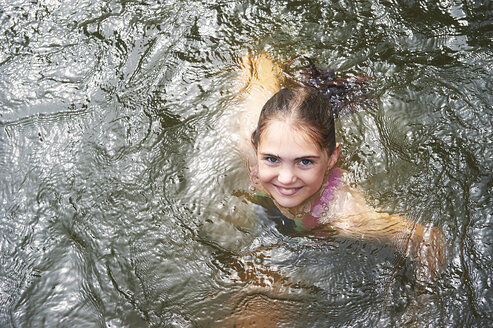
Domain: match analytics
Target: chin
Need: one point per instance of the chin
(287, 203)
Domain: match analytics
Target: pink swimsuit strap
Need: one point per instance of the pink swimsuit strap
(321, 205)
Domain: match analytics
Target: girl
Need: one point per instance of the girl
(292, 154)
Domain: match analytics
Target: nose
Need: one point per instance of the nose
(286, 175)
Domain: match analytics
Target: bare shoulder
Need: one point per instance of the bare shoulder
(353, 217)
(348, 200)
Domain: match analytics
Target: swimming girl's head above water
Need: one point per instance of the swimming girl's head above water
(295, 145)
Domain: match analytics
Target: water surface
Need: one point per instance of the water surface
(120, 189)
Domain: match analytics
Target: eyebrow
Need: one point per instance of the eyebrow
(296, 159)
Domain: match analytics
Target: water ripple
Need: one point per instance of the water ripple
(122, 194)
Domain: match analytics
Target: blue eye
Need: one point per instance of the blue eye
(306, 162)
(271, 159)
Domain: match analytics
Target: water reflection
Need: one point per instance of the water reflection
(120, 183)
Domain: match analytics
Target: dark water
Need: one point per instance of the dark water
(120, 181)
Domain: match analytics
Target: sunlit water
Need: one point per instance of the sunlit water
(121, 187)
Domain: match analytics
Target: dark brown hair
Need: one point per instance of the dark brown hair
(308, 109)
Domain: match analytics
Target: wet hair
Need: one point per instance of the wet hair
(306, 109)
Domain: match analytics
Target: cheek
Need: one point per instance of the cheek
(314, 177)
(265, 173)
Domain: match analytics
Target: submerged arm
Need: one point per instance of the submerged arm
(260, 78)
(423, 244)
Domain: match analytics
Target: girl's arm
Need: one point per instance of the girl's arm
(259, 79)
(423, 244)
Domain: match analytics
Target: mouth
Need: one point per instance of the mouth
(287, 191)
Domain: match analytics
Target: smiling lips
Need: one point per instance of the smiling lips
(287, 191)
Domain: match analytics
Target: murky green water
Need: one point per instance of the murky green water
(119, 202)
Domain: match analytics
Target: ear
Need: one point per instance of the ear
(334, 156)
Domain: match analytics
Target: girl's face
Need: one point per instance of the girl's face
(290, 166)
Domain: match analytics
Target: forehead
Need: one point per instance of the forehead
(283, 136)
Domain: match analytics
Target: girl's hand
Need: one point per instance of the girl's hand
(428, 247)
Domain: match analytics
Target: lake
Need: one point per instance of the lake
(122, 190)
